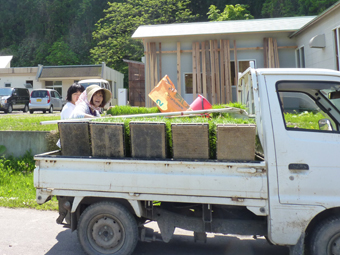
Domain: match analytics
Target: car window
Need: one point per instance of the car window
(23, 92)
(86, 84)
(56, 94)
(307, 107)
(39, 94)
(5, 91)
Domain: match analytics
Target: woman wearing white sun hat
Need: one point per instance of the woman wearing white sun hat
(90, 102)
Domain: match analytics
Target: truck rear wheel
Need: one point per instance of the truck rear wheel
(325, 240)
(107, 228)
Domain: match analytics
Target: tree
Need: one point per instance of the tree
(200, 7)
(290, 8)
(231, 12)
(314, 7)
(114, 31)
(61, 54)
(280, 8)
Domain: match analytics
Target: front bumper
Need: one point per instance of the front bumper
(3, 106)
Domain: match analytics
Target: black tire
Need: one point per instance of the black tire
(9, 109)
(51, 109)
(44, 111)
(31, 111)
(107, 228)
(325, 239)
(26, 108)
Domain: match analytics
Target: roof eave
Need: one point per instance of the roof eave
(228, 33)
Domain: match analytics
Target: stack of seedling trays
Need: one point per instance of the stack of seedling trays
(220, 137)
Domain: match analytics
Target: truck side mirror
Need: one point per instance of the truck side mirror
(325, 124)
(334, 95)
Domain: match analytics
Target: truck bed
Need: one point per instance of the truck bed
(152, 178)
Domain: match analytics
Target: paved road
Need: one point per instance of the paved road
(32, 232)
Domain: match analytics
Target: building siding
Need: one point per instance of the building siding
(321, 57)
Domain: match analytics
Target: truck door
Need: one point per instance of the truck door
(308, 166)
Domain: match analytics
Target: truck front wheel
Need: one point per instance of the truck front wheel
(325, 240)
(107, 228)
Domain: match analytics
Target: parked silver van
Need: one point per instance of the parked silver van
(45, 100)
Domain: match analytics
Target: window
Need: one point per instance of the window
(300, 57)
(310, 105)
(337, 47)
(56, 85)
(29, 84)
(56, 95)
(7, 85)
(242, 66)
(188, 83)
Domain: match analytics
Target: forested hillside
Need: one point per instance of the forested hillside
(71, 32)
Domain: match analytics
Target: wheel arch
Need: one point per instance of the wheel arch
(81, 203)
(317, 219)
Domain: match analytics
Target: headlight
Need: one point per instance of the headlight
(3, 101)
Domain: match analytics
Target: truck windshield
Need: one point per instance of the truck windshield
(5, 91)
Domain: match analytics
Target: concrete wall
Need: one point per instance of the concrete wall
(321, 57)
(18, 142)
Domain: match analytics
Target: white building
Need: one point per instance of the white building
(59, 78)
(206, 57)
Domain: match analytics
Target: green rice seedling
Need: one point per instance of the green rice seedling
(129, 110)
(212, 121)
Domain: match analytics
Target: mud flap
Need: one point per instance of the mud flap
(299, 247)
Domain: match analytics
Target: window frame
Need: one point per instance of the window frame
(337, 47)
(55, 86)
(322, 107)
(300, 57)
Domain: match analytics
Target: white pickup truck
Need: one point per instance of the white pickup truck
(291, 196)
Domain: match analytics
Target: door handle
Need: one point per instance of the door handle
(299, 167)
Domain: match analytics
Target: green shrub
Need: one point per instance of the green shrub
(11, 165)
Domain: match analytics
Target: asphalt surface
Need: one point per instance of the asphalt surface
(33, 232)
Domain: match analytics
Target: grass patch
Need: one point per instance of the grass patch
(16, 184)
(27, 123)
(304, 120)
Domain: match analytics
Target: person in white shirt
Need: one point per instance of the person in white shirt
(73, 94)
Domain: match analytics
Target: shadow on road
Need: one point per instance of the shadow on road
(180, 245)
